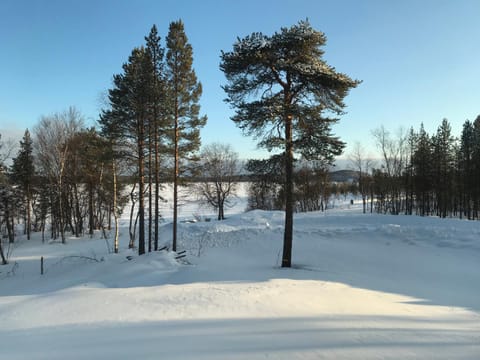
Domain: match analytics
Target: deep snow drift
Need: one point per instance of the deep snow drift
(363, 286)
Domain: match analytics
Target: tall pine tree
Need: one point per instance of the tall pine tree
(444, 158)
(422, 171)
(466, 176)
(128, 117)
(158, 120)
(476, 168)
(184, 93)
(284, 93)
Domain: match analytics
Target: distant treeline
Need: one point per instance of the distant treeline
(425, 174)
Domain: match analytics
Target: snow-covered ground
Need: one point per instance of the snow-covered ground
(363, 287)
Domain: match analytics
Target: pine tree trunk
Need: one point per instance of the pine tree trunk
(157, 188)
(115, 215)
(175, 179)
(150, 178)
(60, 196)
(288, 234)
(141, 189)
(29, 215)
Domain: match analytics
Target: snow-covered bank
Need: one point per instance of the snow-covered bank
(363, 286)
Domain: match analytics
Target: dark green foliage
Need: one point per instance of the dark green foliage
(22, 169)
(270, 78)
(466, 169)
(285, 94)
(184, 91)
(22, 173)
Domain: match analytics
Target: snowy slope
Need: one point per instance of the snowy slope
(363, 286)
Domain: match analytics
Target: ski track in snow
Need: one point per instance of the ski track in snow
(362, 286)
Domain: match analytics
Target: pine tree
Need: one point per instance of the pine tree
(158, 118)
(22, 173)
(281, 89)
(130, 101)
(466, 168)
(184, 93)
(443, 158)
(2, 187)
(423, 171)
(476, 168)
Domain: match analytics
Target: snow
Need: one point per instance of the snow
(363, 286)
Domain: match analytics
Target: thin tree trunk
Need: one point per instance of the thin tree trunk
(288, 234)
(2, 255)
(60, 195)
(175, 180)
(220, 204)
(157, 186)
(29, 216)
(115, 215)
(131, 230)
(141, 189)
(9, 224)
(91, 224)
(150, 178)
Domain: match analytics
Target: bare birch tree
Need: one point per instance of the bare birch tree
(220, 171)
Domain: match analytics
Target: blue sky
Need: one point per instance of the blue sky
(418, 59)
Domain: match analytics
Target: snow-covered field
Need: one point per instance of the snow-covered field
(363, 287)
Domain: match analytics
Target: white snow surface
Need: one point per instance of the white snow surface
(363, 286)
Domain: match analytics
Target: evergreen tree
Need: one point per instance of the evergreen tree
(476, 168)
(423, 171)
(409, 171)
(2, 205)
(466, 173)
(281, 89)
(158, 119)
(443, 159)
(130, 101)
(22, 174)
(184, 93)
